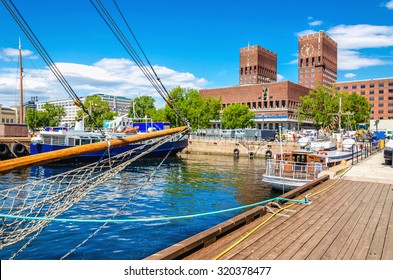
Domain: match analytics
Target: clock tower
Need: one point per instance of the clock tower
(317, 60)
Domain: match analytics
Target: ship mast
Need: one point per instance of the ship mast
(21, 113)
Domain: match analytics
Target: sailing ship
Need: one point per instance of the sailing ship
(54, 139)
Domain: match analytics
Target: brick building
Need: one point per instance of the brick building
(317, 60)
(257, 66)
(378, 92)
(272, 103)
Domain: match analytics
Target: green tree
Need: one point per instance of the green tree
(51, 115)
(190, 104)
(99, 110)
(237, 116)
(323, 104)
(142, 106)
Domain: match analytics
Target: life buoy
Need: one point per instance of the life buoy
(322, 153)
(19, 150)
(236, 152)
(268, 154)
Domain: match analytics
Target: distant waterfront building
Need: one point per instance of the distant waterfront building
(317, 55)
(116, 103)
(8, 115)
(257, 66)
(378, 92)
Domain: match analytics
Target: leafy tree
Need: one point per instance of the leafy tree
(51, 115)
(142, 106)
(99, 110)
(190, 104)
(323, 104)
(237, 116)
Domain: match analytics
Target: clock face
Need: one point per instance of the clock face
(307, 50)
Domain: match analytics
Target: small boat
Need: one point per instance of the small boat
(325, 144)
(291, 169)
(53, 139)
(348, 143)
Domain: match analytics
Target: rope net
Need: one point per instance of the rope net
(23, 206)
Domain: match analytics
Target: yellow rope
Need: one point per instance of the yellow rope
(271, 217)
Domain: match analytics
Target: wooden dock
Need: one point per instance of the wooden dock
(350, 220)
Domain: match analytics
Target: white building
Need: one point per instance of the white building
(116, 103)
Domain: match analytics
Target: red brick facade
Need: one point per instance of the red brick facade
(317, 60)
(257, 66)
(272, 103)
(378, 92)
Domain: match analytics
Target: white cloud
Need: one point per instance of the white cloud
(362, 36)
(389, 5)
(315, 23)
(350, 75)
(280, 78)
(112, 76)
(9, 54)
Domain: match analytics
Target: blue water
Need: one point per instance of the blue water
(185, 185)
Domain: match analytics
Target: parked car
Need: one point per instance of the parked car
(387, 152)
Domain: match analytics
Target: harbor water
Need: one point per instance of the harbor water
(186, 185)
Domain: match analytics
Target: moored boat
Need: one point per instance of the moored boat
(291, 169)
(54, 139)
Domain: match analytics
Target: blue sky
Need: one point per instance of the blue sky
(191, 43)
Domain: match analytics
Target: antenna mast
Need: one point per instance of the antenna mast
(21, 113)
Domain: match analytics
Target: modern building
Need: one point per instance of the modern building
(8, 115)
(117, 103)
(257, 66)
(317, 60)
(379, 93)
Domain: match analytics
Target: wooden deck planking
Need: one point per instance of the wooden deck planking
(307, 242)
(378, 241)
(387, 253)
(342, 241)
(268, 236)
(363, 246)
(337, 224)
(218, 247)
(285, 238)
(352, 220)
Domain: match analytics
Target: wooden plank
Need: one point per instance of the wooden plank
(21, 162)
(378, 241)
(221, 245)
(340, 243)
(387, 253)
(300, 223)
(363, 246)
(302, 246)
(337, 225)
(349, 247)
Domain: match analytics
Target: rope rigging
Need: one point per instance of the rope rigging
(19, 19)
(40, 202)
(147, 70)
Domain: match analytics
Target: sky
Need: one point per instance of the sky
(192, 44)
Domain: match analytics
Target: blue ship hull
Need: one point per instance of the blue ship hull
(161, 151)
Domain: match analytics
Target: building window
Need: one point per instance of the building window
(380, 104)
(345, 87)
(371, 92)
(380, 98)
(338, 88)
(381, 91)
(381, 84)
(390, 104)
(380, 111)
(371, 99)
(371, 85)
(354, 87)
(362, 93)
(391, 84)
(362, 86)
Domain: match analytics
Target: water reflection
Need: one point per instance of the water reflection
(185, 185)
